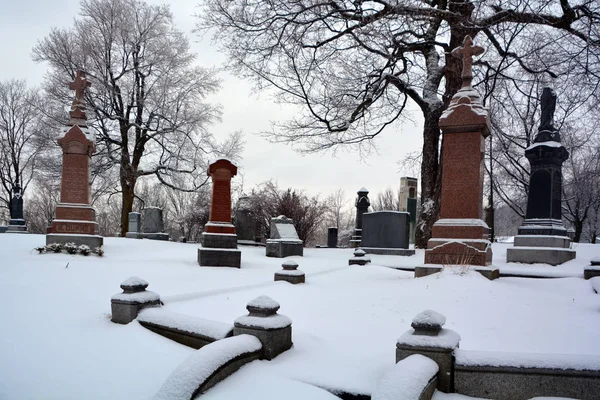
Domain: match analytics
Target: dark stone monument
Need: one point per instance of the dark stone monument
(386, 232)
(152, 224)
(332, 237)
(16, 223)
(362, 206)
(246, 225)
(542, 237)
(134, 228)
(284, 241)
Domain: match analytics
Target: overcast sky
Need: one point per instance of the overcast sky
(24, 22)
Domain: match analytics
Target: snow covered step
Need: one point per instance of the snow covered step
(209, 366)
(188, 330)
(413, 378)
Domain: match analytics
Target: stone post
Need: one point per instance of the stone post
(360, 258)
(362, 206)
(126, 306)
(273, 330)
(219, 241)
(74, 219)
(429, 339)
(290, 273)
(460, 236)
(332, 237)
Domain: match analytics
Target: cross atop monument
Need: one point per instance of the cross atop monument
(79, 85)
(466, 52)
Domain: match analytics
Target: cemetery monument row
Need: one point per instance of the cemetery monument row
(460, 236)
(219, 241)
(542, 237)
(74, 219)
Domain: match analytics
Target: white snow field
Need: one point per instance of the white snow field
(57, 341)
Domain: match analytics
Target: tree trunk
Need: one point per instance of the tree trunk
(128, 179)
(578, 230)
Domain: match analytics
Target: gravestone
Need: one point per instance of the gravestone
(284, 239)
(134, 228)
(219, 240)
(74, 219)
(460, 236)
(153, 225)
(3, 229)
(362, 206)
(16, 223)
(408, 202)
(332, 237)
(542, 237)
(386, 232)
(246, 225)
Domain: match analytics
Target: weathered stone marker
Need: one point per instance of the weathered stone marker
(542, 237)
(360, 258)
(152, 224)
(284, 240)
(219, 241)
(17, 222)
(134, 228)
(332, 237)
(460, 236)
(74, 219)
(362, 206)
(126, 306)
(290, 273)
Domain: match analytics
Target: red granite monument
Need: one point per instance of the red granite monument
(219, 240)
(74, 219)
(460, 236)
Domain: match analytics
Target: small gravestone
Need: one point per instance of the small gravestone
(362, 206)
(3, 229)
(246, 224)
(332, 237)
(152, 224)
(429, 339)
(273, 330)
(134, 228)
(386, 232)
(284, 241)
(290, 273)
(126, 306)
(360, 258)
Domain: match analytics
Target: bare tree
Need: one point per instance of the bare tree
(354, 65)
(388, 200)
(147, 103)
(23, 137)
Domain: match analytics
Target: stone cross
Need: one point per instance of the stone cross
(466, 52)
(79, 85)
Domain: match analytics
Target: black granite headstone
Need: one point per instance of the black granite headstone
(386, 229)
(332, 237)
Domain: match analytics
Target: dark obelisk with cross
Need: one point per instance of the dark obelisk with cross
(460, 236)
(542, 236)
(17, 222)
(74, 219)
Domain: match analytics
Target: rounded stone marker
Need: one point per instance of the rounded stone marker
(262, 306)
(289, 265)
(428, 321)
(134, 285)
(359, 253)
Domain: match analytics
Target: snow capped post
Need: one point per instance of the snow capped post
(219, 241)
(460, 236)
(360, 258)
(74, 219)
(273, 330)
(126, 306)
(290, 273)
(429, 339)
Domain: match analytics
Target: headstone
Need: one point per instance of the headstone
(362, 206)
(3, 229)
(408, 202)
(246, 225)
(16, 223)
(74, 219)
(126, 306)
(430, 339)
(284, 240)
(134, 228)
(219, 240)
(273, 330)
(153, 225)
(460, 236)
(542, 237)
(332, 237)
(360, 258)
(386, 232)
(290, 273)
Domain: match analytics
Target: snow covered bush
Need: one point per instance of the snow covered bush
(70, 247)
(85, 249)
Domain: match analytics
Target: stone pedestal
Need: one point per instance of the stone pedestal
(273, 330)
(74, 219)
(360, 258)
(429, 339)
(219, 240)
(290, 273)
(16, 226)
(362, 206)
(126, 306)
(332, 237)
(542, 237)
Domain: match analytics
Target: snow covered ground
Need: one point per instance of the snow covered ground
(57, 341)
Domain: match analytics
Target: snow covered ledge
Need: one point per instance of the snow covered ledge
(413, 378)
(209, 366)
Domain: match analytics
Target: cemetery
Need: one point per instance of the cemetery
(197, 287)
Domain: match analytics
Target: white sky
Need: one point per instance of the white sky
(24, 22)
